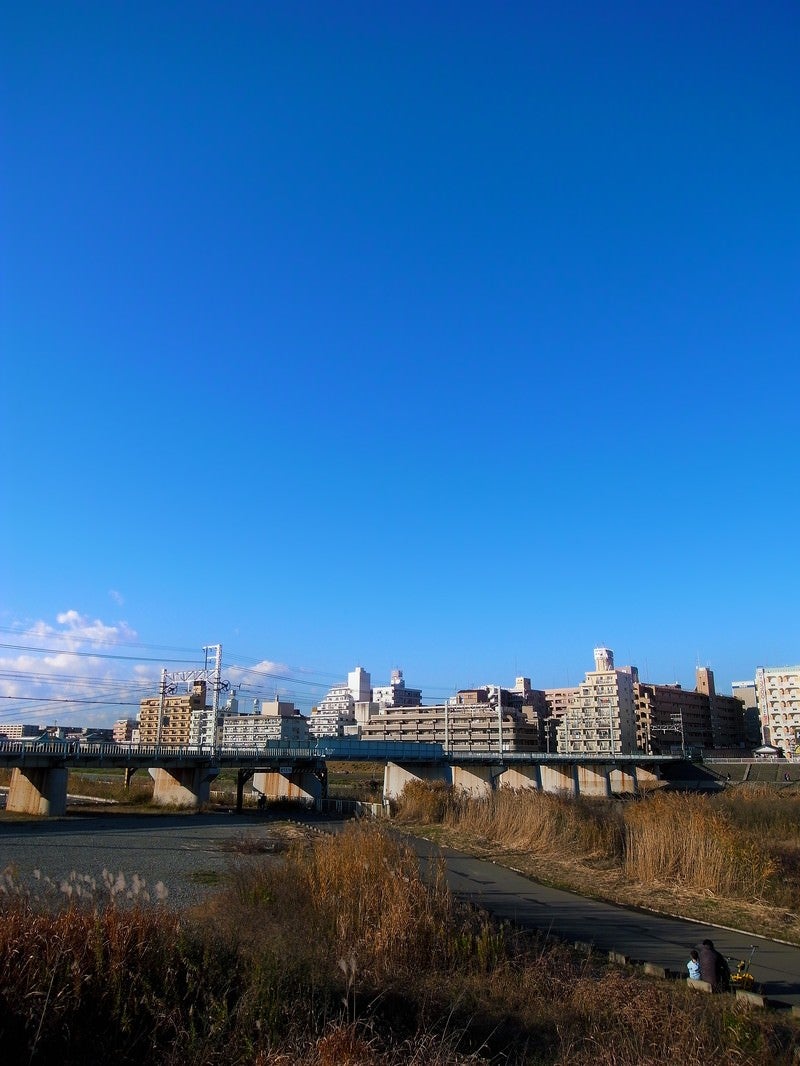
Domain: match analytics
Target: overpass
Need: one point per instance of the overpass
(182, 776)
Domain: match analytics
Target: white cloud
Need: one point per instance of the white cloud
(67, 672)
(240, 675)
(77, 627)
(117, 597)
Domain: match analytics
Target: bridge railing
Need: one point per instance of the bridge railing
(325, 748)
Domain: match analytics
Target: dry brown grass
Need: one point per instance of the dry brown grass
(336, 952)
(690, 840)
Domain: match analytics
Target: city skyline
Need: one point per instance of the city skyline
(95, 675)
(450, 338)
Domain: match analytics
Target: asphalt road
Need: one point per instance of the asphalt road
(642, 936)
(191, 854)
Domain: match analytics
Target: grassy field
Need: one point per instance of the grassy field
(336, 952)
(355, 780)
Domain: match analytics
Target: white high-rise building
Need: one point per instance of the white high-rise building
(778, 692)
(337, 710)
(359, 684)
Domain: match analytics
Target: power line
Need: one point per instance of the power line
(96, 655)
(64, 699)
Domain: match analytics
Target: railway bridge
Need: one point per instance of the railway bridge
(182, 776)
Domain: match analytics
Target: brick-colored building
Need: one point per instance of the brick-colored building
(469, 722)
(670, 719)
(123, 730)
(176, 726)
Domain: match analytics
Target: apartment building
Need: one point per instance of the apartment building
(725, 712)
(778, 692)
(558, 702)
(600, 718)
(671, 719)
(336, 711)
(123, 729)
(745, 692)
(176, 722)
(469, 725)
(275, 722)
(396, 693)
(207, 723)
(20, 731)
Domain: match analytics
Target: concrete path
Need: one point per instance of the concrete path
(642, 936)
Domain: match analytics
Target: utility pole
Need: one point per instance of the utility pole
(216, 686)
(611, 723)
(679, 716)
(161, 704)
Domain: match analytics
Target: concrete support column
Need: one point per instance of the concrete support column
(182, 786)
(647, 779)
(396, 776)
(593, 780)
(519, 777)
(476, 780)
(242, 776)
(559, 777)
(38, 790)
(302, 785)
(623, 780)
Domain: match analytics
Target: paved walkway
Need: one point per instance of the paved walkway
(642, 936)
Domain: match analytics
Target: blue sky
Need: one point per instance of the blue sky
(454, 337)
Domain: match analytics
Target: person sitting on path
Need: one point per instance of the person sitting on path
(693, 966)
(713, 967)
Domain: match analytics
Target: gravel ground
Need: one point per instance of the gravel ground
(191, 854)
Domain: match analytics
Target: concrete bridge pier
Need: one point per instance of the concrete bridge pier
(623, 780)
(475, 780)
(647, 779)
(559, 777)
(397, 776)
(521, 777)
(593, 780)
(38, 790)
(309, 786)
(182, 786)
(243, 775)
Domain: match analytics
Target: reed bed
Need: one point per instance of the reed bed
(727, 845)
(689, 840)
(541, 822)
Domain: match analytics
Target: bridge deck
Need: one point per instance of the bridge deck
(26, 753)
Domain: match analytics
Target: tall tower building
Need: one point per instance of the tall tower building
(600, 718)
